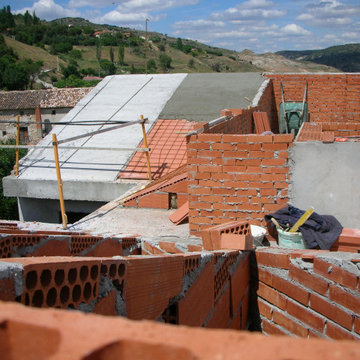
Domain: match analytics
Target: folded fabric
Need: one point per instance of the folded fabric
(318, 231)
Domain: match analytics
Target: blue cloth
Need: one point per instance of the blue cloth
(318, 230)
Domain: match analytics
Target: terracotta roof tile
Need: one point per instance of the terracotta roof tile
(310, 132)
(168, 150)
(51, 98)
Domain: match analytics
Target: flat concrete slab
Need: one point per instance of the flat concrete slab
(148, 223)
(201, 97)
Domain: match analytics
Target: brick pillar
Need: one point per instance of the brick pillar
(38, 117)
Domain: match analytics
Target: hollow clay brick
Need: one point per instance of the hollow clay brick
(221, 314)
(150, 283)
(198, 302)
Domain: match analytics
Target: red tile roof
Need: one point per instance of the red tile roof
(168, 150)
(51, 98)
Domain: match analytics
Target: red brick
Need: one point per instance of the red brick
(304, 315)
(239, 282)
(244, 310)
(357, 324)
(265, 276)
(158, 201)
(290, 290)
(309, 280)
(330, 311)
(106, 305)
(335, 273)
(264, 309)
(338, 333)
(271, 329)
(290, 325)
(345, 299)
(284, 138)
(272, 296)
(195, 307)
(277, 260)
(221, 314)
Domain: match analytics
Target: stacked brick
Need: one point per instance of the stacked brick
(309, 293)
(167, 192)
(331, 97)
(17, 243)
(236, 177)
(195, 289)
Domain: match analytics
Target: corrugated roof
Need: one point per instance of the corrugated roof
(51, 98)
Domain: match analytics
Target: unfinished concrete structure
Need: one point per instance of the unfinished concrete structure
(233, 178)
(91, 178)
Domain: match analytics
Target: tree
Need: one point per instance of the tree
(14, 77)
(33, 69)
(151, 65)
(111, 54)
(98, 49)
(8, 206)
(179, 44)
(191, 63)
(121, 54)
(165, 61)
(107, 67)
(71, 69)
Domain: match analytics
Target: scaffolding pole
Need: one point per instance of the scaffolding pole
(59, 182)
(146, 146)
(17, 144)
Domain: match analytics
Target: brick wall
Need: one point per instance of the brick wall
(236, 177)
(210, 290)
(242, 119)
(309, 293)
(331, 97)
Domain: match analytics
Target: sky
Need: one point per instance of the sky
(257, 25)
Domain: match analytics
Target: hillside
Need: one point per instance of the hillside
(276, 63)
(71, 48)
(343, 57)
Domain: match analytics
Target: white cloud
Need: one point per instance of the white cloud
(49, 10)
(294, 29)
(329, 13)
(196, 24)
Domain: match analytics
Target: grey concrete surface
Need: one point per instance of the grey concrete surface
(48, 211)
(201, 97)
(326, 176)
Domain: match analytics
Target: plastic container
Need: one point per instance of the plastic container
(258, 234)
(291, 240)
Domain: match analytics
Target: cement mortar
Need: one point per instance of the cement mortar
(14, 271)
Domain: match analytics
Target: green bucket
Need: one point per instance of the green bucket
(291, 240)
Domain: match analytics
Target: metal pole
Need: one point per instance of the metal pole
(17, 143)
(146, 146)
(59, 182)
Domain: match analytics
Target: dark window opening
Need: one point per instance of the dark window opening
(21, 112)
(24, 135)
(53, 112)
(173, 201)
(72, 216)
(3, 133)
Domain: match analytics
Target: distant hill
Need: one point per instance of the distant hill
(70, 48)
(343, 57)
